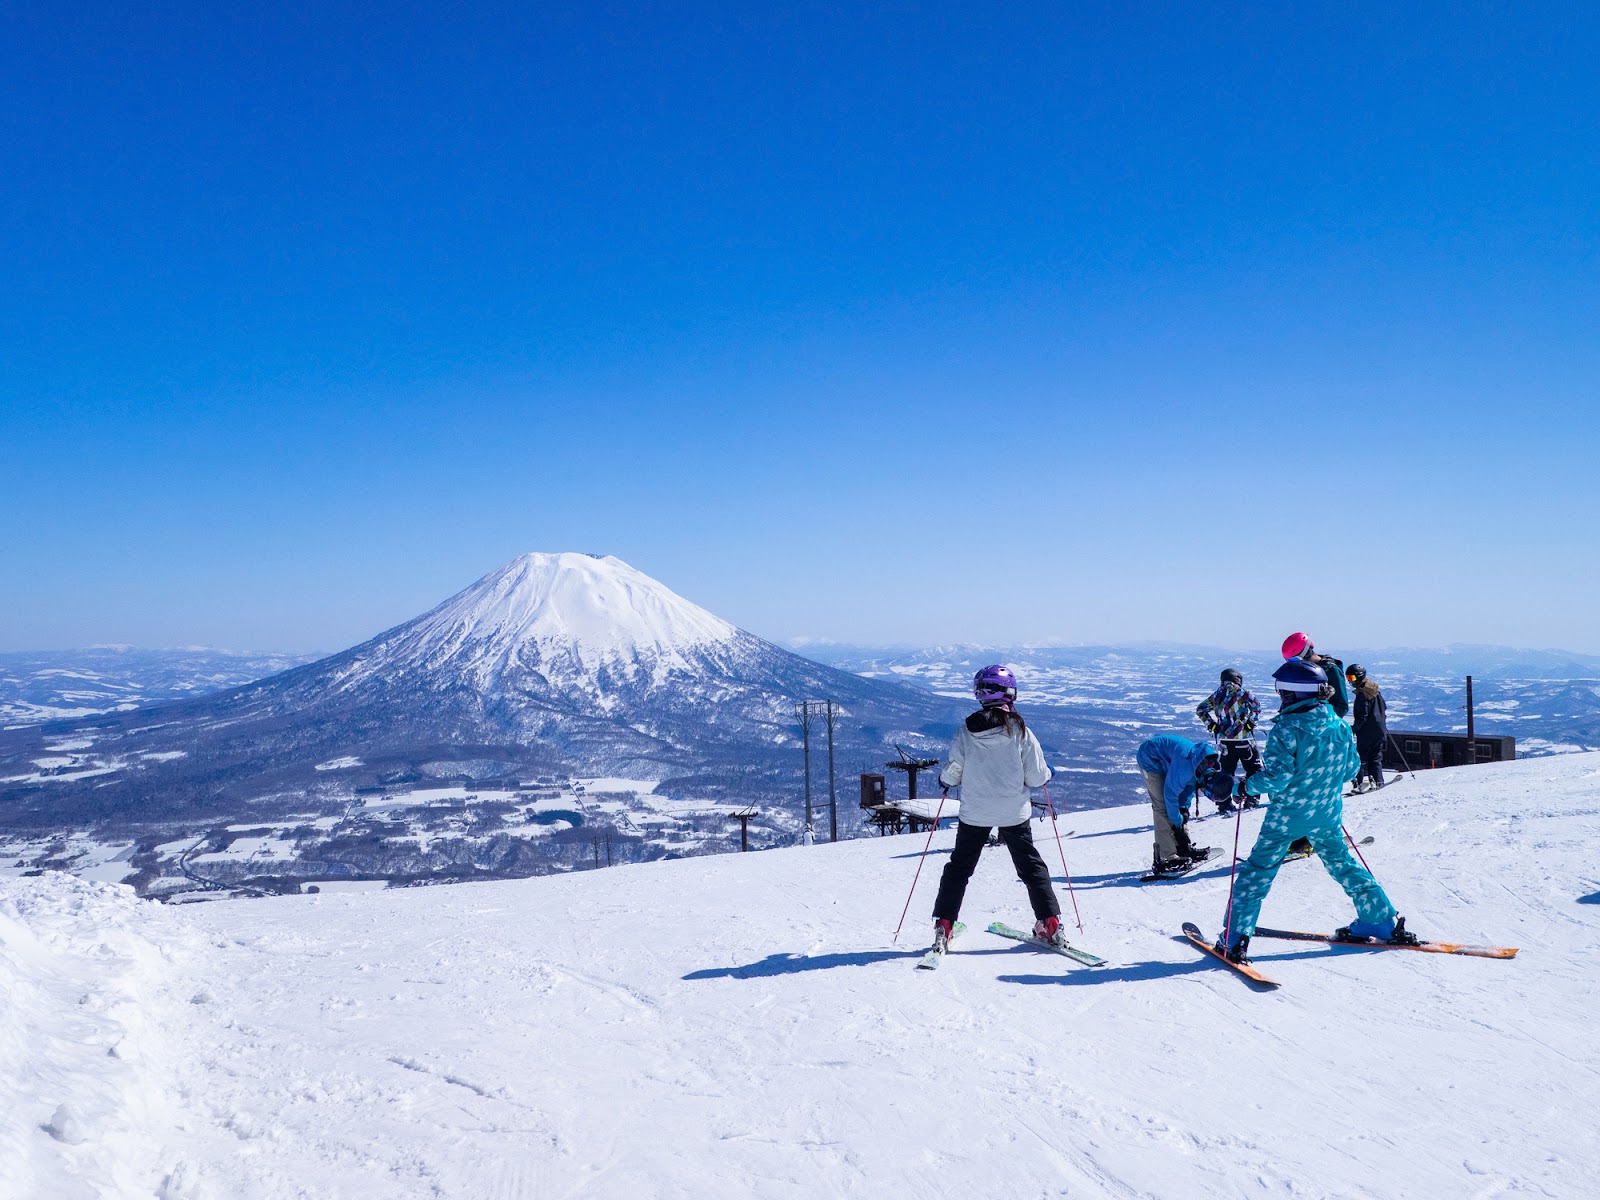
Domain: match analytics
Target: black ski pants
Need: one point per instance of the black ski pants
(970, 841)
(1369, 745)
(1240, 750)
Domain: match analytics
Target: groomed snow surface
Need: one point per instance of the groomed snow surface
(742, 1026)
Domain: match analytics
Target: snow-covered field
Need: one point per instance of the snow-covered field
(743, 1026)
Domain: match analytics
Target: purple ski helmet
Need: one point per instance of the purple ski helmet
(1299, 678)
(994, 685)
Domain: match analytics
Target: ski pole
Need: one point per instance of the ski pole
(1063, 853)
(1238, 819)
(924, 855)
(1354, 847)
(1401, 753)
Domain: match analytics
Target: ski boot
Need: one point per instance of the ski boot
(1226, 808)
(1394, 932)
(1049, 930)
(1237, 952)
(1168, 868)
(1187, 850)
(941, 934)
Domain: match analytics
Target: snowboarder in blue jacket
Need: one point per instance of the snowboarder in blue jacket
(1174, 770)
(1310, 755)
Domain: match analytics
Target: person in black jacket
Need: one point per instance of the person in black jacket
(1371, 724)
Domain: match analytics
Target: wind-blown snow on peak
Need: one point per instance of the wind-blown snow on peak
(560, 615)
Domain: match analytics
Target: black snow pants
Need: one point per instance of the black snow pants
(1240, 750)
(970, 841)
(1369, 745)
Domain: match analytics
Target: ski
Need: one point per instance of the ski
(1378, 787)
(1374, 944)
(932, 959)
(1211, 852)
(1072, 952)
(1192, 932)
(1289, 858)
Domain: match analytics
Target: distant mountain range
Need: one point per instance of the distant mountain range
(556, 664)
(554, 669)
(1455, 660)
(47, 685)
(567, 703)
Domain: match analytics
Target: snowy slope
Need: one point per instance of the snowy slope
(743, 1026)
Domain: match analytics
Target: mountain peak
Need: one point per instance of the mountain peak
(585, 610)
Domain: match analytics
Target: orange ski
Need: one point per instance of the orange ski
(1192, 932)
(1374, 944)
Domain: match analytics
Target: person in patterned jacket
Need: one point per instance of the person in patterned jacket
(1311, 754)
(1230, 714)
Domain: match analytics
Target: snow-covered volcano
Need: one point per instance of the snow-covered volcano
(574, 621)
(554, 666)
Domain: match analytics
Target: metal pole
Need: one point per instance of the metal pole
(1238, 819)
(1354, 847)
(805, 739)
(1472, 745)
(937, 812)
(1063, 854)
(833, 794)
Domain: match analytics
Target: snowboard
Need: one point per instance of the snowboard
(1211, 852)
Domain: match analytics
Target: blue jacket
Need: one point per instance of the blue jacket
(1178, 759)
(1310, 755)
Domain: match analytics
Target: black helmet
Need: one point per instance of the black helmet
(1233, 676)
(1356, 674)
(1299, 679)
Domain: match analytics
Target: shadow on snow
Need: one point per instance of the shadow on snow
(791, 964)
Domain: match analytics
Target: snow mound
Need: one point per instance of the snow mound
(744, 1025)
(87, 1043)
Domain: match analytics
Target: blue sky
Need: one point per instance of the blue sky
(1092, 322)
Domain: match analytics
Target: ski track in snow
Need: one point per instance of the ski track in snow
(743, 1026)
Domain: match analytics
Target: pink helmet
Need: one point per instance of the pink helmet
(1295, 645)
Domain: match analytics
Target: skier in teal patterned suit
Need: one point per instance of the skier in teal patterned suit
(1310, 755)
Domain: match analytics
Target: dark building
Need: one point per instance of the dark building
(1421, 751)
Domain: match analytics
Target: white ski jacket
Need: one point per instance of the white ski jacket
(995, 771)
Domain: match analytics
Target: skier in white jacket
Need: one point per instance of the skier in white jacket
(995, 759)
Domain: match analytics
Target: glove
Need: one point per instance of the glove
(1184, 814)
(1240, 792)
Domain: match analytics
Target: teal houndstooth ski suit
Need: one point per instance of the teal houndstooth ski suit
(1309, 757)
